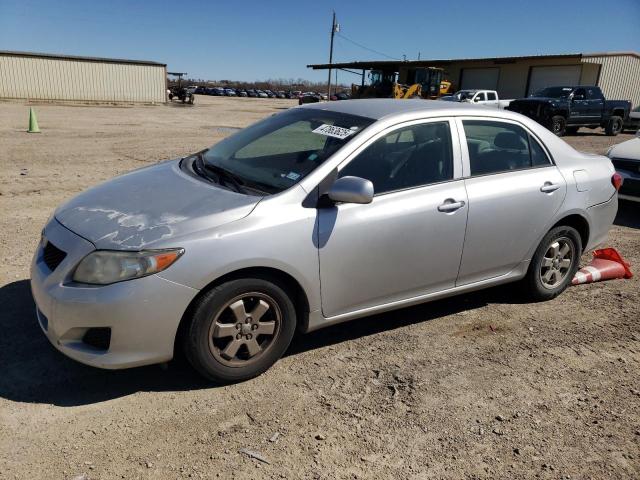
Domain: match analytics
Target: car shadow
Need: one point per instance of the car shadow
(628, 214)
(34, 371)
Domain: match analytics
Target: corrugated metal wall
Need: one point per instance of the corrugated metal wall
(47, 78)
(619, 76)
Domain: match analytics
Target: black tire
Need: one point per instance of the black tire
(558, 125)
(199, 344)
(533, 284)
(571, 130)
(614, 126)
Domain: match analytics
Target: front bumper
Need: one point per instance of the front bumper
(143, 314)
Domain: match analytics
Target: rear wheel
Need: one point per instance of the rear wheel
(558, 125)
(239, 329)
(554, 264)
(614, 126)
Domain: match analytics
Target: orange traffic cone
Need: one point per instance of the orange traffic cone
(607, 264)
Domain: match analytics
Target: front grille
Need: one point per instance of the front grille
(625, 164)
(52, 255)
(98, 338)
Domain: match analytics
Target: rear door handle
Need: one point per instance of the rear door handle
(549, 187)
(450, 205)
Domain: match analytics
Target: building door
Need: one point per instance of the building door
(480, 78)
(543, 77)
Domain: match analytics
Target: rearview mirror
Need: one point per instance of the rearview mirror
(351, 190)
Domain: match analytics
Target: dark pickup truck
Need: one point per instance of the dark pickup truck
(565, 109)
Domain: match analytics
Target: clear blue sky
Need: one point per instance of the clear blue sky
(252, 40)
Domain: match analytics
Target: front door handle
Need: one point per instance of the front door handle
(450, 205)
(549, 187)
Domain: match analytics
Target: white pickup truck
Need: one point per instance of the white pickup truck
(487, 98)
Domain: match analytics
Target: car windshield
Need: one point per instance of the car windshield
(465, 94)
(278, 152)
(554, 92)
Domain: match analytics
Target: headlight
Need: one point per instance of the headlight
(103, 267)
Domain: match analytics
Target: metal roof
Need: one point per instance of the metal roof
(77, 57)
(395, 64)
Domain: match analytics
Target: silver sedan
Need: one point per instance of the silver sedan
(315, 216)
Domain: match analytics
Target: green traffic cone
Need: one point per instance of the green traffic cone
(33, 122)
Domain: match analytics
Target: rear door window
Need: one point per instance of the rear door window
(496, 147)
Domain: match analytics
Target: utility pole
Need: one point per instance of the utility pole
(334, 28)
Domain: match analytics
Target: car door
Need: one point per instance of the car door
(408, 240)
(480, 98)
(492, 99)
(513, 190)
(595, 102)
(578, 107)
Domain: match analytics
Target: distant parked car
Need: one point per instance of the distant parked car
(565, 109)
(485, 98)
(230, 92)
(241, 93)
(626, 160)
(281, 94)
(251, 93)
(633, 121)
(309, 97)
(270, 94)
(261, 94)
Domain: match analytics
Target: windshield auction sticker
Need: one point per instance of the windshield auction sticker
(332, 131)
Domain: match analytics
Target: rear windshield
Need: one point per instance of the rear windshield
(281, 150)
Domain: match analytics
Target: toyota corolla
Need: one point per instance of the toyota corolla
(318, 215)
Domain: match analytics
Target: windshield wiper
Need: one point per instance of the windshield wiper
(223, 175)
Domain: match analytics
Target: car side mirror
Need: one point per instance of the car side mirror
(476, 100)
(351, 190)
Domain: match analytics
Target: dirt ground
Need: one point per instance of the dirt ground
(476, 387)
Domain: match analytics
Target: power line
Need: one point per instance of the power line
(366, 48)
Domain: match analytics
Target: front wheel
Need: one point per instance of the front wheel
(239, 329)
(554, 264)
(558, 125)
(614, 126)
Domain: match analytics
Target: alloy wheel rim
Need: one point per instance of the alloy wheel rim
(556, 262)
(244, 329)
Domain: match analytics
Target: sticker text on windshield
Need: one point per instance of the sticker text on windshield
(333, 131)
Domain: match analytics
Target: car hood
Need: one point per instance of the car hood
(629, 150)
(148, 207)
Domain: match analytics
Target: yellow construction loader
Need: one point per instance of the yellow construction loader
(409, 82)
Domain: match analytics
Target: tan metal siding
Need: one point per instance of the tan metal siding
(619, 76)
(42, 78)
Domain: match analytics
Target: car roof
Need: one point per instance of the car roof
(377, 108)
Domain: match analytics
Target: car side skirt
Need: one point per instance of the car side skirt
(317, 321)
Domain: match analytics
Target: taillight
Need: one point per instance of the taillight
(616, 180)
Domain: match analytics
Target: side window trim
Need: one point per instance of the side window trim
(466, 161)
(455, 148)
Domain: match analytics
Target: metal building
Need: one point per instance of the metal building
(38, 76)
(616, 73)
